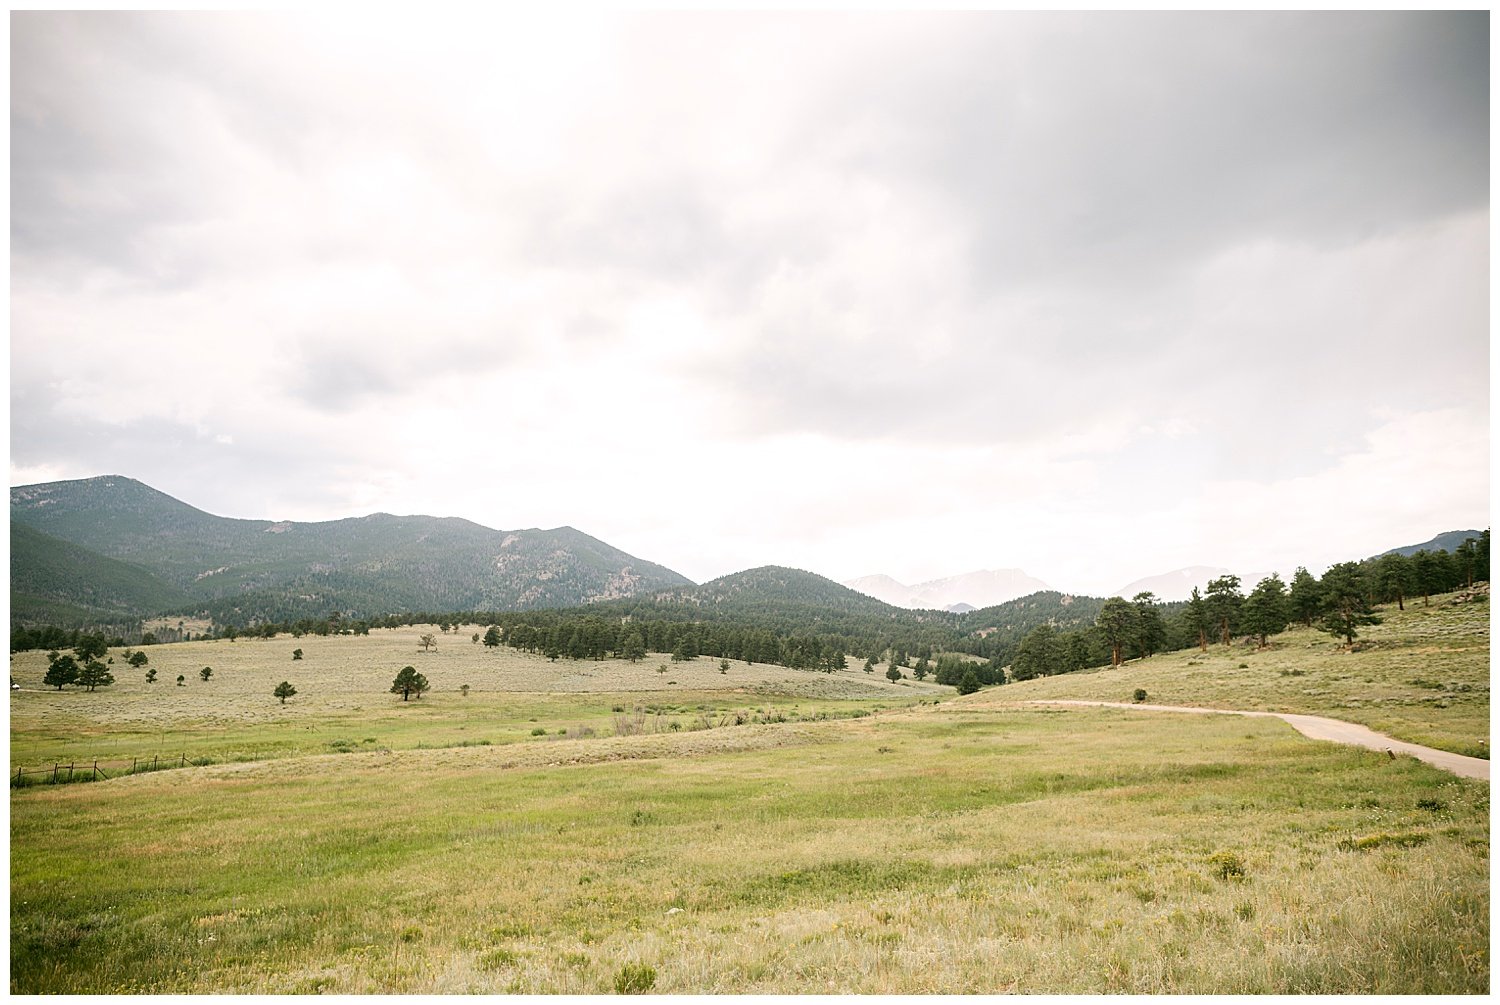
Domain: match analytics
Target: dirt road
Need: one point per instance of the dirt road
(1319, 728)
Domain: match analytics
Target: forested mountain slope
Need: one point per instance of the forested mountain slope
(244, 570)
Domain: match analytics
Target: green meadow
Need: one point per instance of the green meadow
(793, 832)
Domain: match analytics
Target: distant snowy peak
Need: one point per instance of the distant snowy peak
(1175, 585)
(984, 588)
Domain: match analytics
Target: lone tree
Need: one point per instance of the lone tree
(180, 679)
(492, 636)
(408, 682)
(427, 641)
(151, 676)
(892, 673)
(61, 670)
(1345, 607)
(206, 673)
(138, 659)
(296, 654)
(94, 674)
(284, 690)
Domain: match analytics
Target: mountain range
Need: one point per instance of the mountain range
(107, 547)
(111, 550)
(970, 590)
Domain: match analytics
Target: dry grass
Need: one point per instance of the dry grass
(1423, 676)
(947, 849)
(343, 698)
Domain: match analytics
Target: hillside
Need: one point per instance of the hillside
(56, 581)
(1449, 541)
(244, 570)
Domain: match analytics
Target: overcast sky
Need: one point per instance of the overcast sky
(1095, 296)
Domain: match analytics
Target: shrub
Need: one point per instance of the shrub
(635, 979)
(1140, 695)
(1227, 865)
(539, 731)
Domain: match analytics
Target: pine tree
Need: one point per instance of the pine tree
(634, 647)
(1267, 610)
(1305, 600)
(1117, 621)
(1197, 618)
(1150, 631)
(284, 690)
(408, 682)
(1223, 602)
(1345, 606)
(61, 670)
(94, 674)
(492, 636)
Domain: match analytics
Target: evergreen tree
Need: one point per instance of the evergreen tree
(969, 684)
(1150, 631)
(408, 682)
(634, 647)
(1223, 602)
(61, 670)
(284, 690)
(1197, 618)
(1345, 606)
(1427, 575)
(1037, 654)
(492, 637)
(1395, 576)
(1305, 600)
(1116, 621)
(893, 673)
(151, 676)
(94, 674)
(1267, 610)
(206, 673)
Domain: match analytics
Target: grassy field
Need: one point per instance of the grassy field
(1422, 675)
(343, 700)
(847, 836)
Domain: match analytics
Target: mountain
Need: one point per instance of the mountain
(984, 588)
(244, 570)
(55, 581)
(1448, 541)
(1177, 584)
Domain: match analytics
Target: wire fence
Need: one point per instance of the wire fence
(65, 774)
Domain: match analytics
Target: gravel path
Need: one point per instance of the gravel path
(1320, 728)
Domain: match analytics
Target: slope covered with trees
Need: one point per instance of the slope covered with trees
(244, 571)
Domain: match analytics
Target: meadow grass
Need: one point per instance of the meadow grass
(949, 848)
(1422, 675)
(343, 701)
(795, 832)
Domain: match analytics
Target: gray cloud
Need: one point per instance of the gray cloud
(1135, 249)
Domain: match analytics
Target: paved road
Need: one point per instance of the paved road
(1319, 728)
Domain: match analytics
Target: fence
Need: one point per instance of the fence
(62, 774)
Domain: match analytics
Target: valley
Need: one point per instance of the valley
(573, 826)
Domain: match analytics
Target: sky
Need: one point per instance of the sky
(1093, 296)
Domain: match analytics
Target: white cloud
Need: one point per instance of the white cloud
(897, 293)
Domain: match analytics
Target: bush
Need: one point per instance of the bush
(635, 979)
(1227, 865)
(1140, 695)
(539, 731)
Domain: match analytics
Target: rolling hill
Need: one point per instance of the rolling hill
(244, 570)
